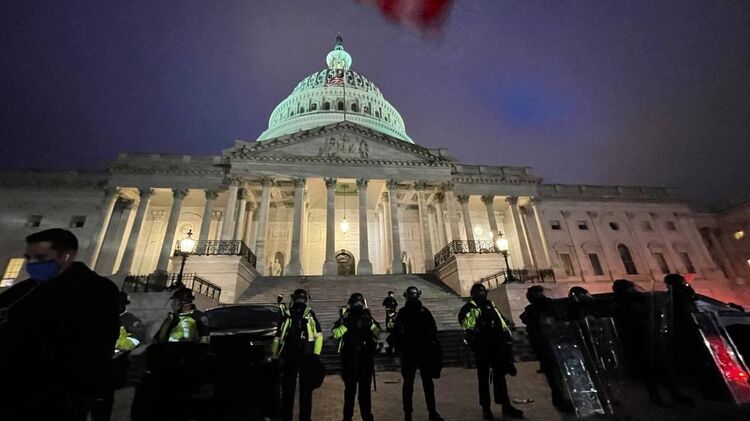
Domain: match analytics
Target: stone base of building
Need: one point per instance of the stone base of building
(233, 274)
(461, 271)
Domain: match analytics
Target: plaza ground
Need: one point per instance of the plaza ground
(457, 400)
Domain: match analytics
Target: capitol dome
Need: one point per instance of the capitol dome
(332, 95)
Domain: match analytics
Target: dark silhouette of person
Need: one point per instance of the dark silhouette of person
(539, 313)
(489, 336)
(415, 334)
(298, 340)
(58, 334)
(358, 334)
(390, 304)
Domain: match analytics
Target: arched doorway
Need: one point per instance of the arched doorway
(344, 263)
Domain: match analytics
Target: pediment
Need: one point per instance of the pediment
(335, 142)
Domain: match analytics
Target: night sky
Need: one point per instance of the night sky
(596, 92)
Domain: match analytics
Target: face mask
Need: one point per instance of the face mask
(43, 271)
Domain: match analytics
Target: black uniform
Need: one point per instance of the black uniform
(489, 337)
(357, 350)
(415, 334)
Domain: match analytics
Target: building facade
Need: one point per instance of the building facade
(336, 186)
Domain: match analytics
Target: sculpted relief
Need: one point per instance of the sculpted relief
(343, 146)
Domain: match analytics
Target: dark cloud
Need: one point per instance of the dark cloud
(584, 91)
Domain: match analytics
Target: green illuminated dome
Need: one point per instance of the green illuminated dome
(322, 97)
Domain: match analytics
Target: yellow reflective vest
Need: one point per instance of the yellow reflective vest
(313, 334)
(469, 320)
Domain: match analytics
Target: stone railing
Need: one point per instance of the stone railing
(222, 248)
(462, 247)
(522, 276)
(156, 282)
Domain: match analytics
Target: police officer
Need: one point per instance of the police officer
(390, 305)
(415, 334)
(298, 340)
(539, 313)
(185, 323)
(488, 335)
(358, 334)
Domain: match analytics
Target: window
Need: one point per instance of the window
(34, 221)
(77, 221)
(555, 225)
(739, 235)
(12, 269)
(340, 106)
(301, 110)
(671, 226)
(627, 259)
(646, 226)
(377, 114)
(596, 264)
(567, 264)
(313, 107)
(615, 226)
(662, 262)
(355, 108)
(687, 262)
(326, 106)
(583, 225)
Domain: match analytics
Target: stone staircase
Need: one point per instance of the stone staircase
(329, 293)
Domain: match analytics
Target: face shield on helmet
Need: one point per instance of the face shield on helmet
(412, 294)
(299, 298)
(478, 293)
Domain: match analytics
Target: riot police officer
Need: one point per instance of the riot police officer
(298, 341)
(358, 334)
(488, 335)
(415, 334)
(185, 323)
(390, 304)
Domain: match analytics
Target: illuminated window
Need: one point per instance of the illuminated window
(478, 231)
(739, 235)
(11, 271)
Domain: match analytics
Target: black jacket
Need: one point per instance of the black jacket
(59, 336)
(415, 331)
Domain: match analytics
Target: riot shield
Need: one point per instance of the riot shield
(576, 368)
(727, 360)
(605, 350)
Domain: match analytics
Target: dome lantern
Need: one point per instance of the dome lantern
(339, 59)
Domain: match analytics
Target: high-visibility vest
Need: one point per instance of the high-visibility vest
(125, 342)
(469, 322)
(313, 335)
(340, 330)
(186, 329)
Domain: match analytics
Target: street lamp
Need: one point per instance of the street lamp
(186, 246)
(502, 246)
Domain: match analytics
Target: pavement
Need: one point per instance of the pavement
(457, 400)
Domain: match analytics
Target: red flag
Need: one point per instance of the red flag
(422, 14)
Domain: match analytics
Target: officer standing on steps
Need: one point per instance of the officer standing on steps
(415, 334)
(390, 305)
(488, 335)
(358, 334)
(297, 343)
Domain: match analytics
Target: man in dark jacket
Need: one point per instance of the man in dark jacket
(185, 323)
(390, 304)
(488, 335)
(358, 334)
(59, 336)
(415, 334)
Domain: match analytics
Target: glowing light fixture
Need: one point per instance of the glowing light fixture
(739, 235)
(187, 244)
(502, 244)
(344, 223)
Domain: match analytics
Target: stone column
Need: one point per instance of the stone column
(260, 237)
(381, 239)
(248, 238)
(464, 201)
(429, 259)
(522, 243)
(594, 217)
(364, 266)
(239, 227)
(105, 263)
(227, 230)
(573, 247)
(169, 236)
(110, 197)
(135, 231)
(673, 259)
(294, 267)
(489, 201)
(329, 266)
(387, 260)
(396, 266)
(443, 236)
(432, 226)
(704, 258)
(540, 227)
(208, 211)
(452, 211)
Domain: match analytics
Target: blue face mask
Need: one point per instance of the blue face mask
(43, 271)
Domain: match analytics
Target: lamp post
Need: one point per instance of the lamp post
(186, 246)
(502, 246)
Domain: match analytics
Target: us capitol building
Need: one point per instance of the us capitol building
(335, 185)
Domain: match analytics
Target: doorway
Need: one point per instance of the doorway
(344, 263)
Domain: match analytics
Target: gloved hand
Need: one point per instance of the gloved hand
(512, 369)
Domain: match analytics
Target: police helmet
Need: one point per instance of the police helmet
(412, 292)
(622, 286)
(478, 291)
(356, 298)
(184, 295)
(300, 296)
